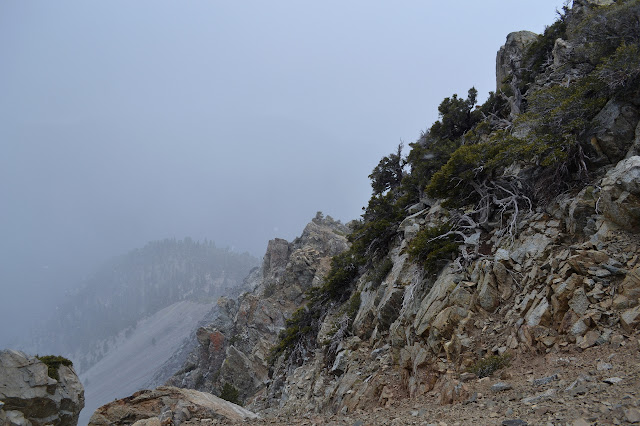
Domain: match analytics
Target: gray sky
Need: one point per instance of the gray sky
(128, 121)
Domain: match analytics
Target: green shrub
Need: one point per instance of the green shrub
(471, 164)
(53, 362)
(556, 118)
(601, 31)
(338, 283)
(561, 110)
(353, 305)
(380, 272)
(372, 237)
(539, 52)
(388, 173)
(620, 71)
(431, 249)
(297, 327)
(230, 393)
(489, 365)
(456, 116)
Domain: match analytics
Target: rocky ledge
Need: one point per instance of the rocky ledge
(28, 396)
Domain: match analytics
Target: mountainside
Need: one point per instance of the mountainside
(497, 264)
(235, 348)
(109, 304)
(131, 364)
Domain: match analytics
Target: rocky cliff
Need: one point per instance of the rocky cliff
(235, 348)
(549, 269)
(497, 264)
(30, 396)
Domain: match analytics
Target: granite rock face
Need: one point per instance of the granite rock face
(30, 397)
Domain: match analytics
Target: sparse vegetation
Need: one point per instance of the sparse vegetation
(433, 247)
(489, 365)
(230, 393)
(53, 362)
(353, 305)
(380, 272)
(538, 54)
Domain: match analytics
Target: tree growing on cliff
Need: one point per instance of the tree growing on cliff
(388, 174)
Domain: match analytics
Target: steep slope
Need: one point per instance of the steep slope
(108, 305)
(235, 348)
(130, 365)
(509, 235)
(523, 237)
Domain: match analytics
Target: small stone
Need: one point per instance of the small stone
(548, 341)
(632, 415)
(590, 339)
(501, 386)
(602, 366)
(541, 411)
(602, 273)
(612, 380)
(630, 319)
(539, 397)
(617, 340)
(465, 377)
(577, 388)
(580, 422)
(514, 422)
(545, 380)
(505, 375)
(579, 328)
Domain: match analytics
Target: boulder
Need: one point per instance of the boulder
(616, 131)
(31, 397)
(167, 403)
(561, 53)
(630, 319)
(631, 287)
(620, 199)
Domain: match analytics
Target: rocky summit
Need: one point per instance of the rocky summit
(494, 277)
(29, 396)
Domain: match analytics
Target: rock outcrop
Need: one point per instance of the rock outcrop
(235, 348)
(30, 397)
(168, 405)
(510, 56)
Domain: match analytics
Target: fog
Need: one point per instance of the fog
(123, 122)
